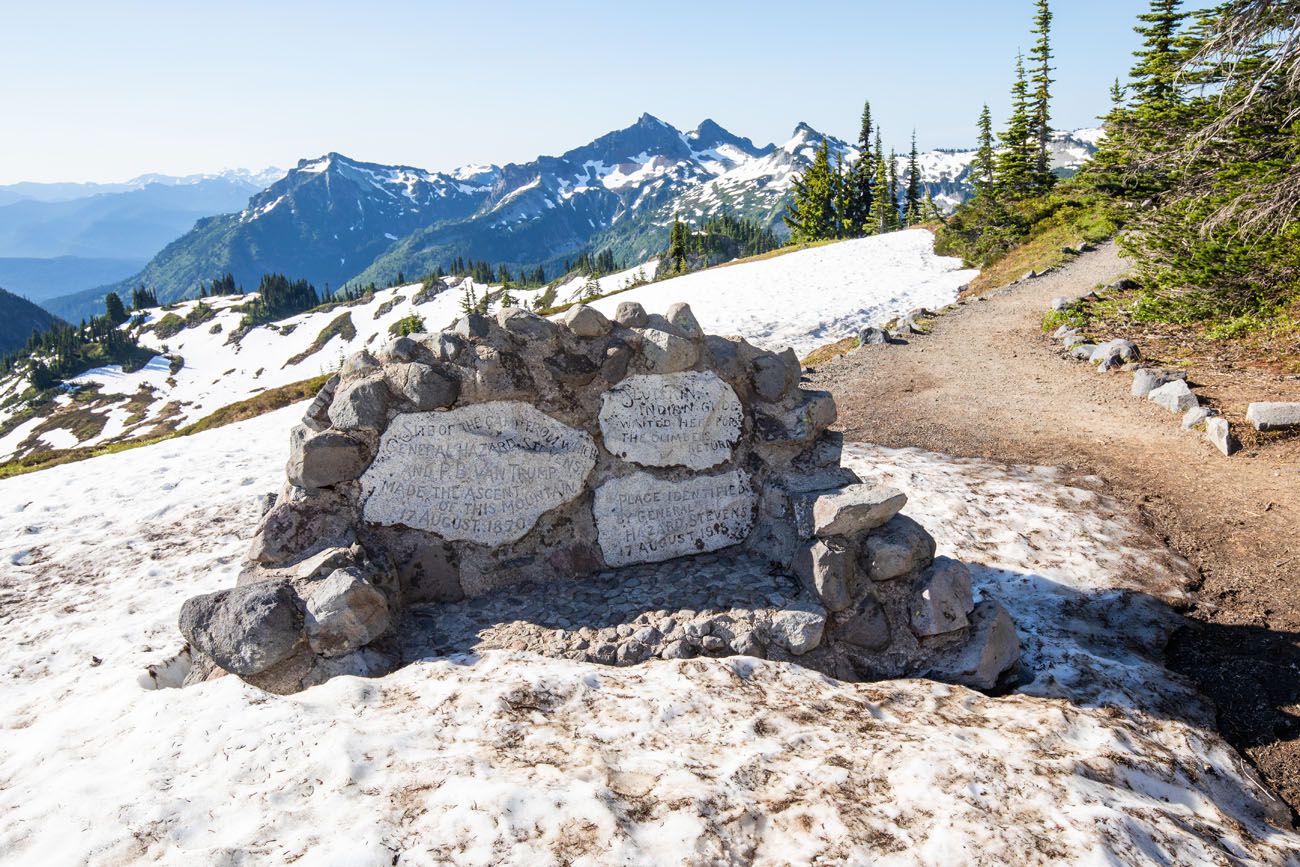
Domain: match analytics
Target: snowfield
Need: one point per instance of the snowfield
(1101, 758)
(803, 299)
(812, 297)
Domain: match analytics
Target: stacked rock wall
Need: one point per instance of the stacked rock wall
(515, 449)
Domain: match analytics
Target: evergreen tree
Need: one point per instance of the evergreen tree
(862, 174)
(883, 211)
(114, 309)
(984, 164)
(1155, 76)
(894, 217)
(1015, 163)
(811, 214)
(912, 200)
(678, 242)
(841, 193)
(1040, 96)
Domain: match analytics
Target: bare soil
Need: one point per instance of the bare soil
(986, 382)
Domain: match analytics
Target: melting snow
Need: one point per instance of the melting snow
(513, 759)
(815, 296)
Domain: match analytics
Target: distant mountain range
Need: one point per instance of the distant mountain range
(335, 220)
(56, 239)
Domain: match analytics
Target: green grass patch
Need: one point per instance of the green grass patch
(339, 326)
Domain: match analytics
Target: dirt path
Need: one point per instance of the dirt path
(987, 383)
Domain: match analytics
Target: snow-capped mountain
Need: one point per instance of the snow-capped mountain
(334, 220)
(325, 220)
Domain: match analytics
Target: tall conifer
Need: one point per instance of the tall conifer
(893, 189)
(912, 200)
(984, 164)
(811, 214)
(1015, 163)
(1040, 95)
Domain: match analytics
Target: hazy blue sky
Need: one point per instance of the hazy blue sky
(108, 90)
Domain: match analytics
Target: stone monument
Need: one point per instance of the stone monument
(498, 483)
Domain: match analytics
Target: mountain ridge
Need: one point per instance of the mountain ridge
(336, 220)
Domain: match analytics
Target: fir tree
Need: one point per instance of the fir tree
(678, 241)
(1015, 163)
(1040, 95)
(811, 214)
(894, 218)
(114, 309)
(984, 164)
(883, 211)
(862, 174)
(912, 200)
(1155, 76)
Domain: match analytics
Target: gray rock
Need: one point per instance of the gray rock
(943, 598)
(398, 349)
(630, 314)
(324, 459)
(855, 509)
(1197, 415)
(824, 479)
(798, 630)
(361, 405)
(359, 364)
(1070, 341)
(1059, 304)
(1174, 396)
(586, 322)
(317, 416)
(1147, 379)
(662, 352)
(344, 612)
(1064, 330)
(423, 386)
(828, 568)
(448, 346)
(631, 652)
(1120, 351)
(1220, 435)
(366, 662)
(867, 627)
(1273, 416)
(679, 649)
(993, 649)
(774, 375)
(896, 548)
(872, 336)
(294, 527)
(684, 320)
(1082, 351)
(800, 423)
(525, 323)
(472, 325)
(245, 630)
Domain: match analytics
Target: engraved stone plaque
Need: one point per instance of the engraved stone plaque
(483, 473)
(689, 419)
(642, 519)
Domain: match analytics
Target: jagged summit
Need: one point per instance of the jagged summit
(334, 219)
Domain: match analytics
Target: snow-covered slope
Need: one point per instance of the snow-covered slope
(802, 299)
(812, 297)
(1103, 758)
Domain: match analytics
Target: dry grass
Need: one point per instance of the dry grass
(823, 354)
(1039, 254)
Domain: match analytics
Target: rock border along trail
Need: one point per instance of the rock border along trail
(986, 382)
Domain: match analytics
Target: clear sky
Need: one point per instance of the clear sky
(105, 91)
